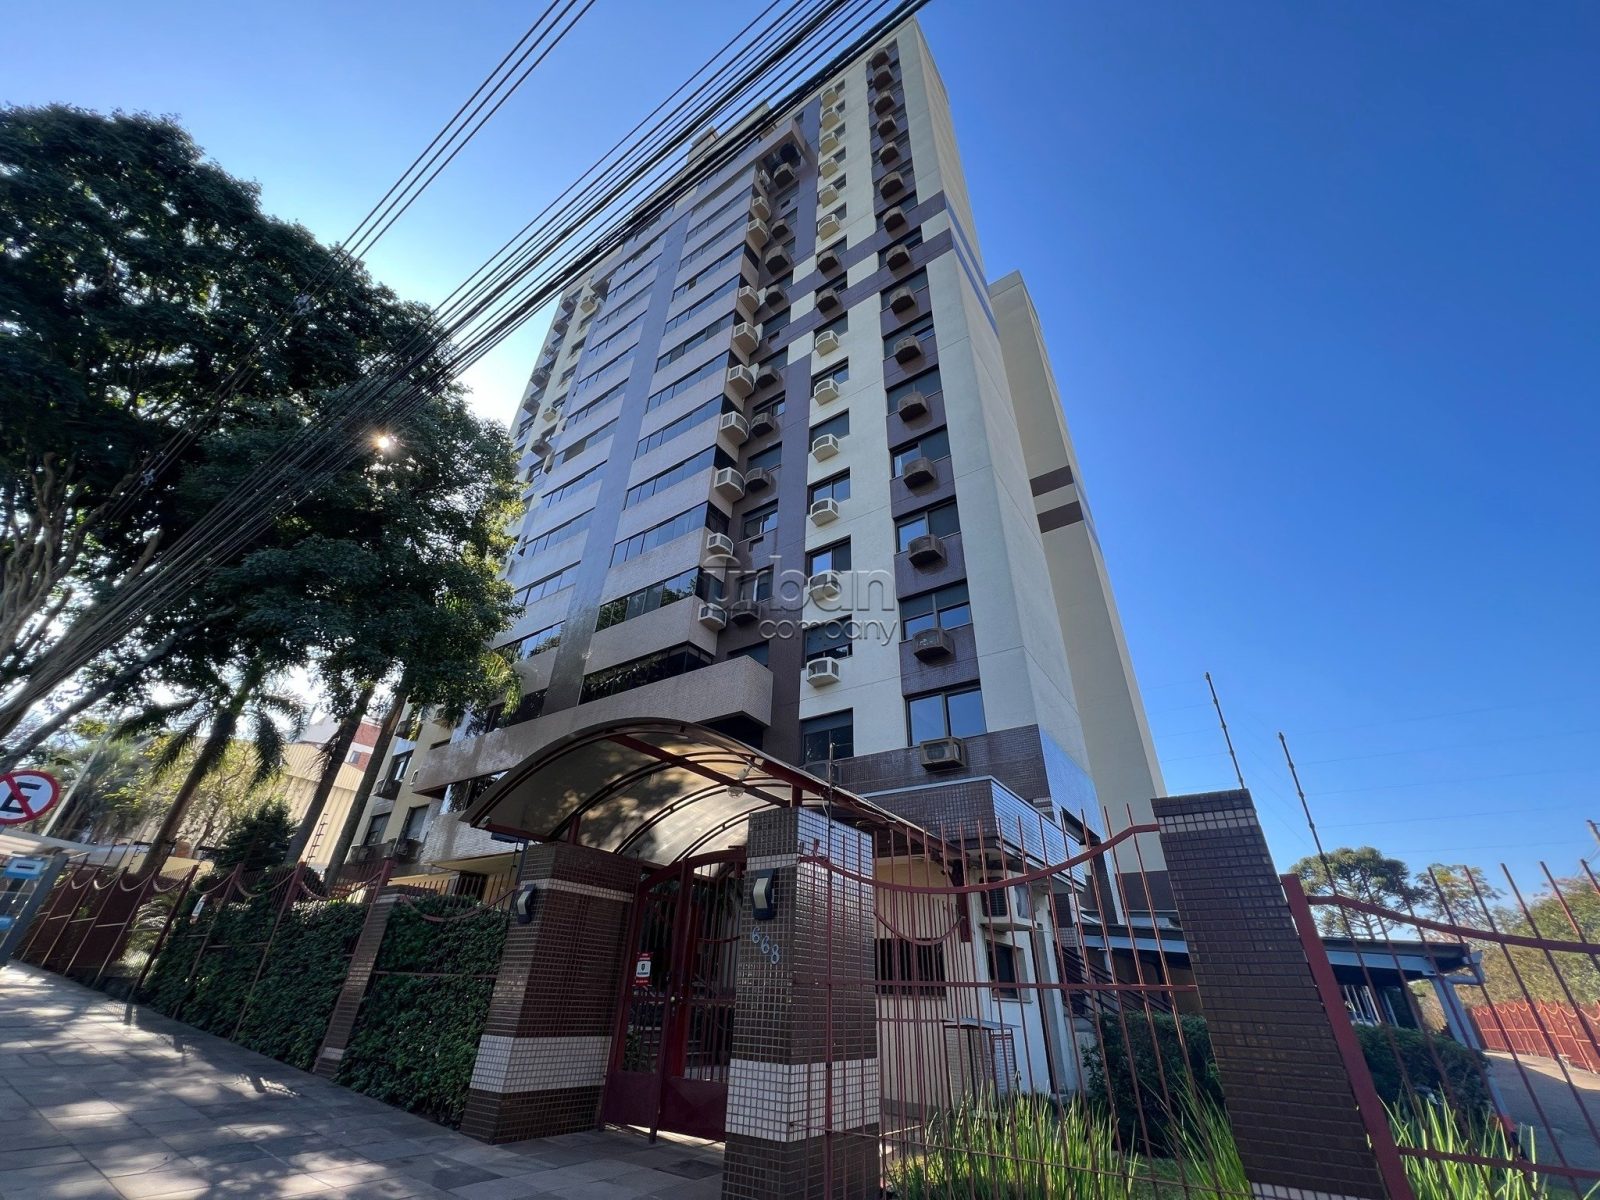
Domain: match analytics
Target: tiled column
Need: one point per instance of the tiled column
(342, 1024)
(803, 1084)
(1289, 1098)
(542, 1059)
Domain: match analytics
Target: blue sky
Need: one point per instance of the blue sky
(1319, 279)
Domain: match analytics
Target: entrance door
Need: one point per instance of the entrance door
(669, 1059)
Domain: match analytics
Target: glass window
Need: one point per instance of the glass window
(399, 765)
(945, 608)
(762, 520)
(825, 737)
(767, 459)
(375, 828)
(1005, 968)
(830, 558)
(838, 426)
(757, 585)
(945, 714)
(838, 374)
(935, 445)
(836, 488)
(940, 519)
(927, 383)
(828, 640)
(921, 330)
(966, 712)
(756, 650)
(415, 819)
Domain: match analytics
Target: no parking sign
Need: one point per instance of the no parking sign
(25, 795)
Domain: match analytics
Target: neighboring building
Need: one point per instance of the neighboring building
(302, 769)
(805, 521)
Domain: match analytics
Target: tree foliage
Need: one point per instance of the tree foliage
(258, 839)
(138, 279)
(1358, 873)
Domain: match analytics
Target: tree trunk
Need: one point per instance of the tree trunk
(216, 743)
(337, 750)
(369, 780)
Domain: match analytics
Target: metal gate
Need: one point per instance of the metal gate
(674, 1038)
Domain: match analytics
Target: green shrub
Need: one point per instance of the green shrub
(1139, 1061)
(416, 1036)
(1407, 1060)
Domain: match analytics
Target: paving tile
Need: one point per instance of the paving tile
(14, 1158)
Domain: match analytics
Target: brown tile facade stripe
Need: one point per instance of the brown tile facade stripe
(1057, 518)
(342, 1024)
(1051, 480)
(1288, 1095)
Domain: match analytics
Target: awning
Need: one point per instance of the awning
(655, 790)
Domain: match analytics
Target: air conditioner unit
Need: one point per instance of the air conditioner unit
(760, 208)
(778, 261)
(829, 142)
(741, 381)
(884, 102)
(907, 349)
(757, 479)
(827, 342)
(728, 482)
(880, 59)
(902, 300)
(762, 422)
(894, 218)
(911, 406)
(549, 412)
(767, 374)
(833, 95)
(828, 195)
(825, 447)
(882, 78)
(773, 297)
(744, 612)
(712, 616)
(746, 300)
(920, 472)
(746, 337)
(892, 184)
(832, 118)
(898, 257)
(763, 180)
(827, 300)
(588, 304)
(828, 260)
(542, 445)
(783, 175)
(890, 154)
(943, 754)
(828, 228)
(824, 585)
(926, 550)
(732, 429)
(719, 548)
(820, 672)
(756, 234)
(781, 227)
(931, 645)
(824, 511)
(829, 168)
(888, 127)
(826, 391)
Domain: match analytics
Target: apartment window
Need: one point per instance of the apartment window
(755, 585)
(940, 520)
(547, 586)
(702, 516)
(839, 374)
(537, 642)
(957, 713)
(760, 521)
(711, 270)
(699, 306)
(712, 242)
(576, 484)
(652, 668)
(766, 460)
(838, 426)
(756, 650)
(943, 608)
(910, 241)
(908, 968)
(830, 639)
(773, 363)
(593, 437)
(689, 467)
(836, 487)
(935, 445)
(416, 818)
(590, 377)
(693, 582)
(530, 706)
(615, 315)
(375, 828)
(399, 765)
(681, 426)
(722, 210)
(838, 325)
(1005, 969)
(830, 558)
(927, 384)
(917, 281)
(554, 537)
(773, 325)
(769, 411)
(827, 737)
(694, 341)
(622, 285)
(678, 387)
(604, 398)
(632, 327)
(921, 330)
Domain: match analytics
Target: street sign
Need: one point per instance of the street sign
(25, 795)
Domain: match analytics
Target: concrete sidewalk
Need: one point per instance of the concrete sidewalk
(94, 1103)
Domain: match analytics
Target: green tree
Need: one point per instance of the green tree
(259, 839)
(136, 280)
(1358, 873)
(1458, 895)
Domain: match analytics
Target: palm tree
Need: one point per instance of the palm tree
(214, 718)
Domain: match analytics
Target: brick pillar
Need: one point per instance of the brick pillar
(342, 1024)
(803, 1084)
(542, 1060)
(1290, 1099)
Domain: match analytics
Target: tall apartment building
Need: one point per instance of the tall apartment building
(798, 473)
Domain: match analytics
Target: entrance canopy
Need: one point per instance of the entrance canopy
(655, 790)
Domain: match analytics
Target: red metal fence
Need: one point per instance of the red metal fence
(1562, 1030)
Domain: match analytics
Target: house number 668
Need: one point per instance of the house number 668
(769, 948)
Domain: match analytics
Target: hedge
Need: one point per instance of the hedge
(416, 1036)
(1126, 1082)
(292, 1000)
